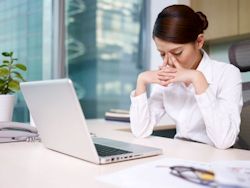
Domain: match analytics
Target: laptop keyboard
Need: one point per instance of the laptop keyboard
(109, 151)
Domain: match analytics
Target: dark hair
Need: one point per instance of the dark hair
(179, 24)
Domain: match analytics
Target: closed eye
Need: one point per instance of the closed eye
(177, 53)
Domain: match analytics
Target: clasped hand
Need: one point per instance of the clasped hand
(171, 71)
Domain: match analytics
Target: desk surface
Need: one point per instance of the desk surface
(28, 165)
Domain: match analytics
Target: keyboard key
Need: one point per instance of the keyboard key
(109, 151)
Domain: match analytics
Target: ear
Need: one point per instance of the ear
(200, 41)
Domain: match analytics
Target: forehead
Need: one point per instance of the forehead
(167, 46)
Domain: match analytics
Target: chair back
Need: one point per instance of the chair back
(239, 55)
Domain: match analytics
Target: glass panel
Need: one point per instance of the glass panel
(103, 42)
(21, 23)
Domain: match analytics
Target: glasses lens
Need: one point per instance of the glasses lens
(193, 175)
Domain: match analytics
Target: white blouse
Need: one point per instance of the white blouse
(212, 117)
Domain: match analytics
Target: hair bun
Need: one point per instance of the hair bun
(203, 19)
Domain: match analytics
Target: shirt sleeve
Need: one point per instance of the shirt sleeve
(146, 113)
(221, 111)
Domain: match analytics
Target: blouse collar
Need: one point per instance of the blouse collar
(205, 67)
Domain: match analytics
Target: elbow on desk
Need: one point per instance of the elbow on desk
(140, 133)
(225, 143)
(222, 146)
(226, 137)
(141, 128)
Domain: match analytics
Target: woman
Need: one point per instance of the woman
(201, 95)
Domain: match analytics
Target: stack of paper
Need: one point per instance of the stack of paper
(117, 115)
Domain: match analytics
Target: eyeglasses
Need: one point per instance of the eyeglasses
(194, 175)
(198, 176)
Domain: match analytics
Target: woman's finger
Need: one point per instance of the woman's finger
(161, 67)
(166, 71)
(164, 83)
(165, 60)
(170, 81)
(164, 78)
(174, 61)
(166, 74)
(169, 69)
(170, 62)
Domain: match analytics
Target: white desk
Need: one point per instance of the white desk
(29, 165)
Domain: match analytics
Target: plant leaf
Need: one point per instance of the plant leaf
(6, 54)
(3, 66)
(6, 62)
(2, 83)
(2, 91)
(11, 54)
(14, 85)
(21, 66)
(7, 91)
(18, 75)
(4, 86)
(4, 72)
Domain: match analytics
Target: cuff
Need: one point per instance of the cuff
(206, 99)
(138, 99)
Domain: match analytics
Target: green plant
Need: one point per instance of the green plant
(9, 76)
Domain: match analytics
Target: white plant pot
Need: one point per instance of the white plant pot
(7, 103)
(32, 123)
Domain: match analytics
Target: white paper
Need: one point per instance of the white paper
(157, 174)
(232, 172)
(151, 175)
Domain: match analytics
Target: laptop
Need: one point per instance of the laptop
(62, 127)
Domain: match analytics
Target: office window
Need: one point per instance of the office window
(103, 52)
(103, 44)
(21, 32)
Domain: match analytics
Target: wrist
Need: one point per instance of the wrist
(141, 79)
(193, 77)
(141, 85)
(199, 82)
(196, 76)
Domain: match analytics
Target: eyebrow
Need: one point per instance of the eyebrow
(178, 48)
(172, 50)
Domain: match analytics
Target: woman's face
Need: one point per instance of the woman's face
(188, 55)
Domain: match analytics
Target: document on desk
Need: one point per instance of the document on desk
(158, 174)
(232, 172)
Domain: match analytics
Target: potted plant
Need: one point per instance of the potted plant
(10, 78)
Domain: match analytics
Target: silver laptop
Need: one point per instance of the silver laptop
(62, 127)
